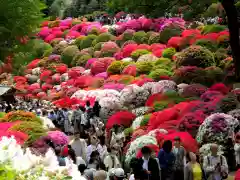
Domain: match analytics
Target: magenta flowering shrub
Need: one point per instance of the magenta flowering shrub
(194, 90)
(210, 95)
(217, 128)
(58, 137)
(190, 122)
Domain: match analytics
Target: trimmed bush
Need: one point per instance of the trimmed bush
(136, 54)
(168, 53)
(82, 60)
(86, 42)
(104, 37)
(59, 48)
(94, 31)
(128, 42)
(169, 32)
(154, 38)
(220, 56)
(128, 35)
(227, 104)
(159, 72)
(78, 41)
(195, 56)
(14, 116)
(115, 68)
(213, 28)
(68, 54)
(41, 49)
(207, 43)
(164, 61)
(77, 57)
(34, 130)
(98, 46)
(140, 37)
(144, 67)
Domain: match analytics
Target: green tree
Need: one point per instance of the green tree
(18, 18)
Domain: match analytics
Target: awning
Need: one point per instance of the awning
(4, 89)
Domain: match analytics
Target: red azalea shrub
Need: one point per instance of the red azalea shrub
(128, 49)
(190, 122)
(124, 118)
(41, 95)
(142, 81)
(20, 79)
(45, 74)
(33, 64)
(190, 32)
(187, 141)
(83, 81)
(50, 38)
(211, 95)
(175, 42)
(73, 34)
(56, 78)
(153, 98)
(34, 87)
(157, 46)
(101, 65)
(61, 68)
(158, 53)
(130, 70)
(46, 87)
(194, 90)
(161, 117)
(220, 87)
(19, 136)
(144, 46)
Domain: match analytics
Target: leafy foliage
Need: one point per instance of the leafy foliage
(17, 19)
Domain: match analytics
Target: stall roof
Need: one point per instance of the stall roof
(4, 89)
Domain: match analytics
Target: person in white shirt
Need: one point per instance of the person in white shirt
(215, 165)
(92, 147)
(237, 150)
(79, 146)
(111, 160)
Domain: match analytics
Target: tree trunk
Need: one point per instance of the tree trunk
(232, 15)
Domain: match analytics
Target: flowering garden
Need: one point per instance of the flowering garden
(158, 78)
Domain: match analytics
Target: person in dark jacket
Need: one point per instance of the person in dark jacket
(166, 160)
(149, 164)
(96, 108)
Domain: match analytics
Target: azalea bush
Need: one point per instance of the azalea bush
(20, 116)
(12, 156)
(34, 130)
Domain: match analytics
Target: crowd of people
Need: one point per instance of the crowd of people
(99, 154)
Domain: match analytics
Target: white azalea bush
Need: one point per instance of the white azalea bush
(205, 150)
(137, 122)
(140, 111)
(216, 128)
(137, 144)
(163, 86)
(17, 163)
(134, 95)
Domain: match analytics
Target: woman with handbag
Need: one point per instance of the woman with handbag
(193, 170)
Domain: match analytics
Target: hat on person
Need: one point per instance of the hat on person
(89, 173)
(100, 175)
(79, 160)
(111, 172)
(119, 172)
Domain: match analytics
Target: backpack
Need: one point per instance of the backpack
(224, 175)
